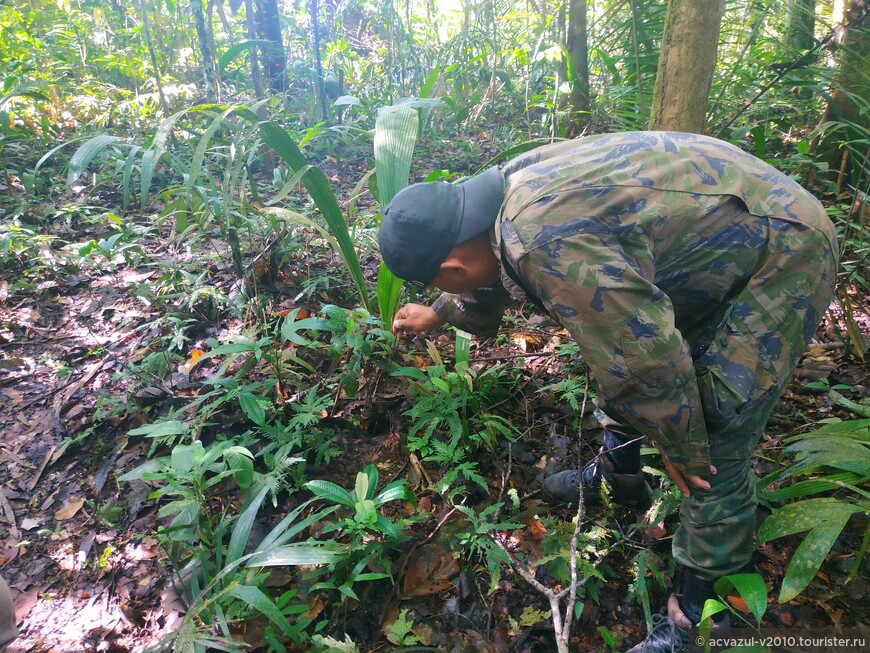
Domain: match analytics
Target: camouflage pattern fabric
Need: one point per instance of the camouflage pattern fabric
(692, 275)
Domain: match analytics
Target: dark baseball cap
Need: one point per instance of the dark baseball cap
(425, 221)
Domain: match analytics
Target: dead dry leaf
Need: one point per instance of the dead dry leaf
(29, 523)
(429, 571)
(69, 509)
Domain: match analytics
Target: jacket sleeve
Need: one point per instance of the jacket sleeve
(479, 312)
(598, 288)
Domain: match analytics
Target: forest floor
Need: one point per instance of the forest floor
(80, 551)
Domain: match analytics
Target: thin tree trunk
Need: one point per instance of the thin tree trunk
(255, 62)
(800, 24)
(146, 28)
(686, 65)
(315, 28)
(205, 51)
(213, 48)
(636, 49)
(269, 28)
(268, 157)
(228, 30)
(578, 57)
(850, 91)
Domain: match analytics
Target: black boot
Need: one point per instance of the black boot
(670, 632)
(625, 489)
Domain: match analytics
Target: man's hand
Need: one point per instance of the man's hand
(415, 318)
(683, 481)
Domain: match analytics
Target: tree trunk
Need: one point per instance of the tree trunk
(146, 28)
(578, 67)
(205, 51)
(800, 26)
(228, 30)
(318, 66)
(851, 91)
(686, 65)
(269, 28)
(255, 63)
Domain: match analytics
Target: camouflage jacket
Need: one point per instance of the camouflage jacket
(624, 240)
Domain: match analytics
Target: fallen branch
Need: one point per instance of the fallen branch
(561, 621)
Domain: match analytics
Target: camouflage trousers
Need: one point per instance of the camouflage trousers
(739, 384)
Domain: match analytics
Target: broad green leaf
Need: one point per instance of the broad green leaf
(371, 473)
(24, 90)
(331, 491)
(430, 81)
(804, 516)
(245, 345)
(86, 153)
(291, 327)
(412, 372)
(242, 528)
(463, 347)
(292, 217)
(255, 598)
(395, 136)
(252, 407)
(751, 589)
(815, 486)
(154, 153)
(824, 518)
(808, 557)
(711, 607)
(857, 429)
(186, 512)
(186, 456)
(296, 554)
(202, 146)
(389, 291)
(346, 101)
(128, 173)
(161, 429)
(241, 464)
(361, 487)
(150, 467)
(393, 492)
(286, 529)
(237, 49)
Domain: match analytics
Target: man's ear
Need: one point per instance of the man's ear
(453, 268)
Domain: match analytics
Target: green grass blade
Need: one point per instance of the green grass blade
(202, 146)
(318, 187)
(255, 598)
(238, 49)
(242, 529)
(86, 153)
(154, 153)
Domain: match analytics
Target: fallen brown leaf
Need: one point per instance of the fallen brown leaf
(69, 509)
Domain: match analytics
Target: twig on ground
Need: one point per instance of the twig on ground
(561, 621)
